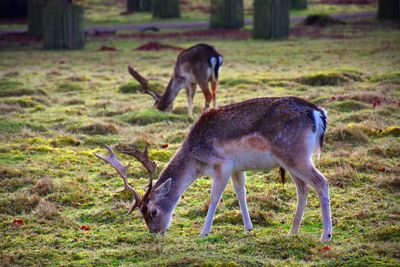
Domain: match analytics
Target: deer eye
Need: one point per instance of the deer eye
(153, 213)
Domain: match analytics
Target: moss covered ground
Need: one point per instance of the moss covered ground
(111, 12)
(57, 205)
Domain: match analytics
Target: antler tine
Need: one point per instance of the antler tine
(122, 170)
(143, 157)
(143, 82)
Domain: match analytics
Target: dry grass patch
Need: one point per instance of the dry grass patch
(19, 202)
(331, 78)
(98, 128)
(43, 186)
(344, 133)
(46, 210)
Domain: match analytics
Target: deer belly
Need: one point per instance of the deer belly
(253, 160)
(252, 152)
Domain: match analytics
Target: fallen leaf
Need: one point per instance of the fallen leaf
(326, 249)
(85, 227)
(382, 169)
(18, 222)
(164, 146)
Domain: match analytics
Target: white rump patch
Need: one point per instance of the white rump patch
(220, 59)
(213, 61)
(319, 126)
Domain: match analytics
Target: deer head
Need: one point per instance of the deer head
(156, 216)
(145, 84)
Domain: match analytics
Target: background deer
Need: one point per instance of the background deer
(198, 64)
(257, 134)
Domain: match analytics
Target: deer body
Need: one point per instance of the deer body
(200, 65)
(257, 134)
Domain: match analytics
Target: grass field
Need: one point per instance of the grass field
(103, 12)
(57, 108)
(108, 12)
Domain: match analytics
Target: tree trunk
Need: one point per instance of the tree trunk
(299, 4)
(13, 8)
(35, 21)
(132, 6)
(389, 9)
(271, 19)
(226, 14)
(145, 5)
(165, 9)
(63, 27)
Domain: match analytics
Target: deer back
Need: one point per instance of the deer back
(282, 123)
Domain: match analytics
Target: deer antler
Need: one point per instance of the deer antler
(122, 170)
(143, 157)
(144, 83)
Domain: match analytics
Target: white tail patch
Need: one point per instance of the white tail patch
(320, 126)
(213, 61)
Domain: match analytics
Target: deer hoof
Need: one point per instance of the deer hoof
(203, 235)
(248, 231)
(326, 237)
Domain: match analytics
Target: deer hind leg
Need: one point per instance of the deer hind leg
(214, 86)
(190, 92)
(307, 173)
(302, 193)
(207, 94)
(219, 184)
(239, 184)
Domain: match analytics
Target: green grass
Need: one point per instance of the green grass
(108, 12)
(50, 179)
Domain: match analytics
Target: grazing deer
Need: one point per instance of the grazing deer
(198, 64)
(256, 134)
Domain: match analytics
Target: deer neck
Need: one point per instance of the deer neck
(183, 172)
(170, 93)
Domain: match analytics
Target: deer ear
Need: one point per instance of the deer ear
(163, 189)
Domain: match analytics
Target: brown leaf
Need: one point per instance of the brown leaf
(85, 227)
(164, 146)
(18, 222)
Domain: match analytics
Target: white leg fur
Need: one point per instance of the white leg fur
(217, 188)
(239, 184)
(190, 92)
(302, 193)
(311, 176)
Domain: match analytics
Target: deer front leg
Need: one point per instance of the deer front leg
(302, 192)
(190, 92)
(218, 186)
(239, 184)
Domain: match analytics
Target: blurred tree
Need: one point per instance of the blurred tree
(145, 5)
(132, 6)
(389, 9)
(63, 25)
(226, 14)
(165, 9)
(299, 4)
(271, 19)
(13, 8)
(35, 23)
